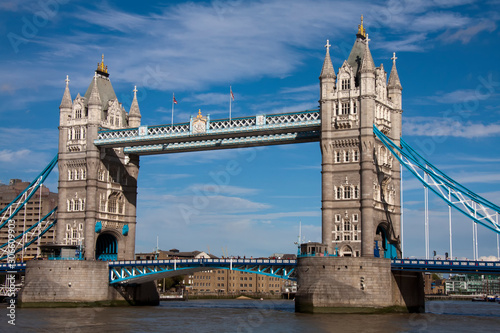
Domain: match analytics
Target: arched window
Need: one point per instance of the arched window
(337, 156)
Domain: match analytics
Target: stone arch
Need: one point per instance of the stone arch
(385, 244)
(106, 247)
(346, 251)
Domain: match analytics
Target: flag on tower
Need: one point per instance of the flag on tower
(231, 91)
(174, 100)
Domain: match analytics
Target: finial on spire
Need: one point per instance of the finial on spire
(367, 39)
(394, 57)
(101, 68)
(67, 80)
(361, 30)
(135, 91)
(327, 45)
(102, 56)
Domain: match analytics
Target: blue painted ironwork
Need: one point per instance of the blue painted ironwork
(18, 203)
(106, 247)
(303, 126)
(454, 194)
(446, 266)
(98, 227)
(18, 267)
(140, 271)
(30, 236)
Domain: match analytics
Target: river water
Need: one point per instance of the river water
(251, 316)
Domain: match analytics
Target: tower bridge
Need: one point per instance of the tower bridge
(100, 145)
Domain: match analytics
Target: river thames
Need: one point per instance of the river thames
(252, 316)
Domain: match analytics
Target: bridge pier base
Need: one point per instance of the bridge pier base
(356, 285)
(70, 283)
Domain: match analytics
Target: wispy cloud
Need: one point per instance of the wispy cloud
(448, 127)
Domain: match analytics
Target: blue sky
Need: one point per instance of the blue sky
(271, 52)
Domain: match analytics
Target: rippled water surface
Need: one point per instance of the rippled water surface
(252, 316)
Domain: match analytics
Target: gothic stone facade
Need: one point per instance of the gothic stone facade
(97, 187)
(360, 178)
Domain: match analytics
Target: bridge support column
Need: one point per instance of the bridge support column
(356, 285)
(70, 283)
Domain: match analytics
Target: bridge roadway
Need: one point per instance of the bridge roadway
(260, 130)
(140, 271)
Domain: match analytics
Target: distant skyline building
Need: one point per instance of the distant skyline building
(42, 202)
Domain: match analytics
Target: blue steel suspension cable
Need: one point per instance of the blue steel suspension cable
(36, 183)
(410, 157)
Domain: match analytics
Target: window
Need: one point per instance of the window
(354, 107)
(346, 156)
(337, 154)
(337, 217)
(347, 237)
(355, 155)
(345, 107)
(347, 225)
(346, 84)
(354, 217)
(339, 193)
(112, 204)
(84, 132)
(77, 133)
(83, 173)
(356, 192)
(78, 112)
(347, 192)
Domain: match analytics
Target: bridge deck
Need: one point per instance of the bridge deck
(261, 130)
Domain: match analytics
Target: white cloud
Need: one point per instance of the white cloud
(442, 127)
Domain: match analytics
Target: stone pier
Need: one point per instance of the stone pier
(356, 285)
(66, 283)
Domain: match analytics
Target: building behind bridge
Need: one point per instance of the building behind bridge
(223, 281)
(42, 202)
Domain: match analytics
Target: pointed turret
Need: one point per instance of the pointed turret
(367, 64)
(94, 104)
(66, 100)
(95, 99)
(394, 77)
(327, 71)
(134, 116)
(394, 87)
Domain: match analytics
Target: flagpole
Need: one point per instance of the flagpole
(173, 99)
(230, 98)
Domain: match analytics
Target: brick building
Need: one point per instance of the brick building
(41, 203)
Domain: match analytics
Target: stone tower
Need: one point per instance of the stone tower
(361, 210)
(97, 187)
(361, 195)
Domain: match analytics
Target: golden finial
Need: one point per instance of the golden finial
(199, 114)
(361, 29)
(100, 66)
